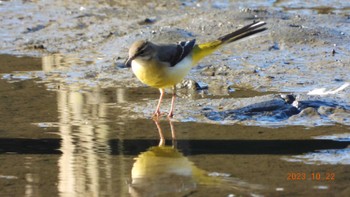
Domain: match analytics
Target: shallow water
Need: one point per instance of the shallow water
(66, 140)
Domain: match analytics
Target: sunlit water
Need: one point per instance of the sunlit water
(80, 141)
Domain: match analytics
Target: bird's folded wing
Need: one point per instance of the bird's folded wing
(173, 54)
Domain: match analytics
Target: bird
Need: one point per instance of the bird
(165, 65)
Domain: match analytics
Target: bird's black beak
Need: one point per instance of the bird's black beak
(128, 62)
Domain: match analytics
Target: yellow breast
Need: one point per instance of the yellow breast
(161, 75)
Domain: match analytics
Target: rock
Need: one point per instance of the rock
(147, 21)
(208, 71)
(272, 110)
(34, 29)
(325, 110)
(216, 70)
(313, 103)
(308, 112)
(341, 118)
(188, 84)
(288, 98)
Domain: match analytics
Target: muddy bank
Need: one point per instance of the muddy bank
(305, 49)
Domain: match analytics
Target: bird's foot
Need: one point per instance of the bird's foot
(157, 114)
(170, 115)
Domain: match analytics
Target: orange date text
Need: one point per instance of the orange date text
(313, 176)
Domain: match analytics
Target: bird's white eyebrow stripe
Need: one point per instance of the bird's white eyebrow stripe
(142, 47)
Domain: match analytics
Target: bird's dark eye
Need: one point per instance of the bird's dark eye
(140, 53)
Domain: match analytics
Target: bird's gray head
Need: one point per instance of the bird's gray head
(141, 49)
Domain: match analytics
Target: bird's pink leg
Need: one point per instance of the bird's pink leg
(171, 112)
(157, 112)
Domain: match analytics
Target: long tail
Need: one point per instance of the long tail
(202, 50)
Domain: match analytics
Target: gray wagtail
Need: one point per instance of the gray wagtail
(164, 65)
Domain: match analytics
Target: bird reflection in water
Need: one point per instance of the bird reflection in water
(163, 170)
